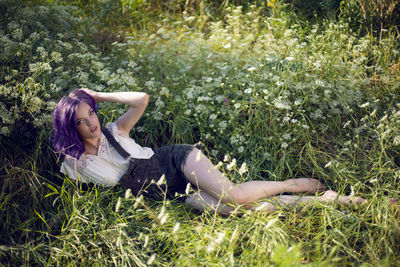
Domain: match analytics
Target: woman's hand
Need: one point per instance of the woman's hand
(93, 94)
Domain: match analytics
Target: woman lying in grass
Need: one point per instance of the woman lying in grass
(111, 157)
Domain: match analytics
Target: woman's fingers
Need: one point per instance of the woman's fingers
(91, 93)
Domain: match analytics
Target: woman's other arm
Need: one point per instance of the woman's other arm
(136, 100)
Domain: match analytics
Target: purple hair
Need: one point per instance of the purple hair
(65, 139)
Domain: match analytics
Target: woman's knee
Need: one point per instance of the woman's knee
(238, 195)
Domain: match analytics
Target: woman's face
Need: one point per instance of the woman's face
(87, 122)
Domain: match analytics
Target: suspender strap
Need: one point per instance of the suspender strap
(115, 144)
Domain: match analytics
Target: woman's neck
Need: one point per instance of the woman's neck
(92, 146)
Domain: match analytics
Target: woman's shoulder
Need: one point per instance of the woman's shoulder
(71, 161)
(113, 128)
(75, 163)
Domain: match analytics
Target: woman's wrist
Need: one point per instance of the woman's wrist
(100, 97)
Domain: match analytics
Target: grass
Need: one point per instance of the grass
(255, 84)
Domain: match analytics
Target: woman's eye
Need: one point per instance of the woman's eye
(91, 112)
(79, 123)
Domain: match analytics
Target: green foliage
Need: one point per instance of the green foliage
(256, 83)
(373, 17)
(311, 10)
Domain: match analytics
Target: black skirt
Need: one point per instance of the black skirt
(143, 174)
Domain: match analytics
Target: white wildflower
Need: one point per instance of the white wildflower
(220, 237)
(157, 116)
(243, 168)
(176, 227)
(200, 108)
(373, 180)
(227, 46)
(216, 241)
(219, 165)
(162, 216)
(231, 165)
(164, 91)
(248, 91)
(240, 149)
(162, 180)
(189, 19)
(213, 116)
(328, 164)
(56, 56)
(282, 104)
(118, 205)
(251, 69)
(347, 143)
(138, 201)
(151, 259)
(364, 105)
(346, 124)
(140, 129)
(396, 140)
(128, 193)
(188, 188)
(317, 64)
(284, 145)
(352, 191)
(211, 247)
(163, 219)
(227, 158)
(235, 234)
(286, 136)
(222, 125)
(270, 223)
(159, 103)
(5, 130)
(146, 241)
(162, 212)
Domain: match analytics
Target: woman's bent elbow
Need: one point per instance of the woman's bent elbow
(146, 98)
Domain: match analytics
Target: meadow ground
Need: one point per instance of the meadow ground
(273, 90)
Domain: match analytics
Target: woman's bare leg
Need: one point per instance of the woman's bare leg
(201, 172)
(203, 201)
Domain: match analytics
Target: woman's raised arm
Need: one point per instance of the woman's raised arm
(136, 100)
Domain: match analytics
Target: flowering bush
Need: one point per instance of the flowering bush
(44, 55)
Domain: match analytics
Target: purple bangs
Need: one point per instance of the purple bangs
(65, 139)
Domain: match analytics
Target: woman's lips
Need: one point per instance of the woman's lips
(94, 129)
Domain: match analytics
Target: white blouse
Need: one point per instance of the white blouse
(108, 166)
